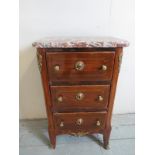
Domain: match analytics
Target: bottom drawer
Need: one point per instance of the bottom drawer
(84, 122)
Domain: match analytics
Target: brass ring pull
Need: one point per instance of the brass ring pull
(79, 65)
(80, 96)
(60, 99)
(79, 121)
(104, 67)
(98, 123)
(56, 67)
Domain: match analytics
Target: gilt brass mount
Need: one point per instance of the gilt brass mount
(39, 59)
(104, 67)
(60, 99)
(79, 65)
(80, 96)
(79, 133)
(61, 124)
(120, 61)
(56, 67)
(98, 123)
(79, 121)
(100, 98)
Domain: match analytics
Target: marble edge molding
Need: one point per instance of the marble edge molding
(62, 42)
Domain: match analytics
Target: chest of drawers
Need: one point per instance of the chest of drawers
(79, 78)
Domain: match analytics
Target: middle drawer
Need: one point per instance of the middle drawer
(80, 98)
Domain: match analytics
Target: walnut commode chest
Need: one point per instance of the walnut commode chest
(79, 77)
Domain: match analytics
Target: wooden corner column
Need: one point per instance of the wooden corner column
(41, 57)
(117, 65)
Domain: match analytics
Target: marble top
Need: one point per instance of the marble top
(80, 42)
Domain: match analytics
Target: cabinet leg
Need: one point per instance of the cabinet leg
(53, 141)
(106, 136)
(52, 138)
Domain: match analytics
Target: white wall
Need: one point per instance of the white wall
(42, 18)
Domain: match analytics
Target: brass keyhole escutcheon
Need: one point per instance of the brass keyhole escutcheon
(79, 65)
(79, 121)
(80, 96)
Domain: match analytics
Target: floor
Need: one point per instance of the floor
(34, 139)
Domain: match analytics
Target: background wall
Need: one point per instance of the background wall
(43, 18)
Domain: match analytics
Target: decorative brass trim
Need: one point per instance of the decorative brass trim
(79, 133)
(39, 58)
(120, 61)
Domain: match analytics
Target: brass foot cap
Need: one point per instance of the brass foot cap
(107, 147)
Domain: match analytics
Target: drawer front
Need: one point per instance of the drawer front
(80, 66)
(81, 122)
(80, 98)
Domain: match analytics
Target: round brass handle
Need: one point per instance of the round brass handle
(61, 124)
(60, 99)
(79, 65)
(80, 96)
(79, 121)
(98, 123)
(56, 67)
(104, 67)
(100, 98)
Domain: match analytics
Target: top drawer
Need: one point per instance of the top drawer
(80, 66)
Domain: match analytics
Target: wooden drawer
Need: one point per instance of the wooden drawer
(76, 123)
(80, 98)
(80, 66)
